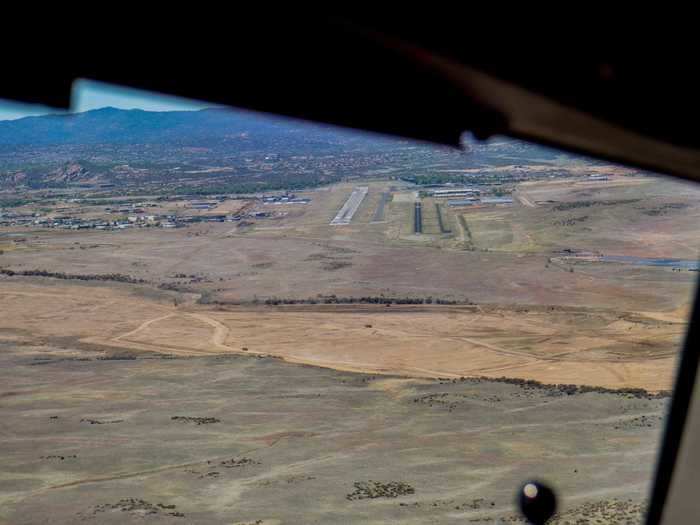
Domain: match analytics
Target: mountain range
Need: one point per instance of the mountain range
(135, 126)
(224, 149)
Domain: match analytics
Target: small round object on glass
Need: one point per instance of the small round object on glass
(537, 502)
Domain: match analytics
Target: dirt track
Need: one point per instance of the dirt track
(575, 346)
(428, 343)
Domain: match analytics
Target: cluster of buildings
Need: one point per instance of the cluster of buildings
(457, 197)
(203, 205)
(452, 193)
(287, 198)
(16, 219)
(71, 223)
(79, 223)
(131, 221)
(136, 215)
(479, 200)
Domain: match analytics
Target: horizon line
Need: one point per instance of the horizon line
(69, 112)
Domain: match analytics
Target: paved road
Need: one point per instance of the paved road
(418, 219)
(379, 212)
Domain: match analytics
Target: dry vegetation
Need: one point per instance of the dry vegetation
(530, 310)
(433, 354)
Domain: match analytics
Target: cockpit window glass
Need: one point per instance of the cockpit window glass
(217, 316)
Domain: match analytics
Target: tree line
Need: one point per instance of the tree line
(116, 277)
(334, 299)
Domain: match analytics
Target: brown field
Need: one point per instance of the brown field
(90, 438)
(564, 345)
(185, 398)
(535, 314)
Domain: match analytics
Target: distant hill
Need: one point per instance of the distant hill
(118, 126)
(218, 126)
(223, 150)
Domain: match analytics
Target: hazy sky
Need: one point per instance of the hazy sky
(88, 94)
